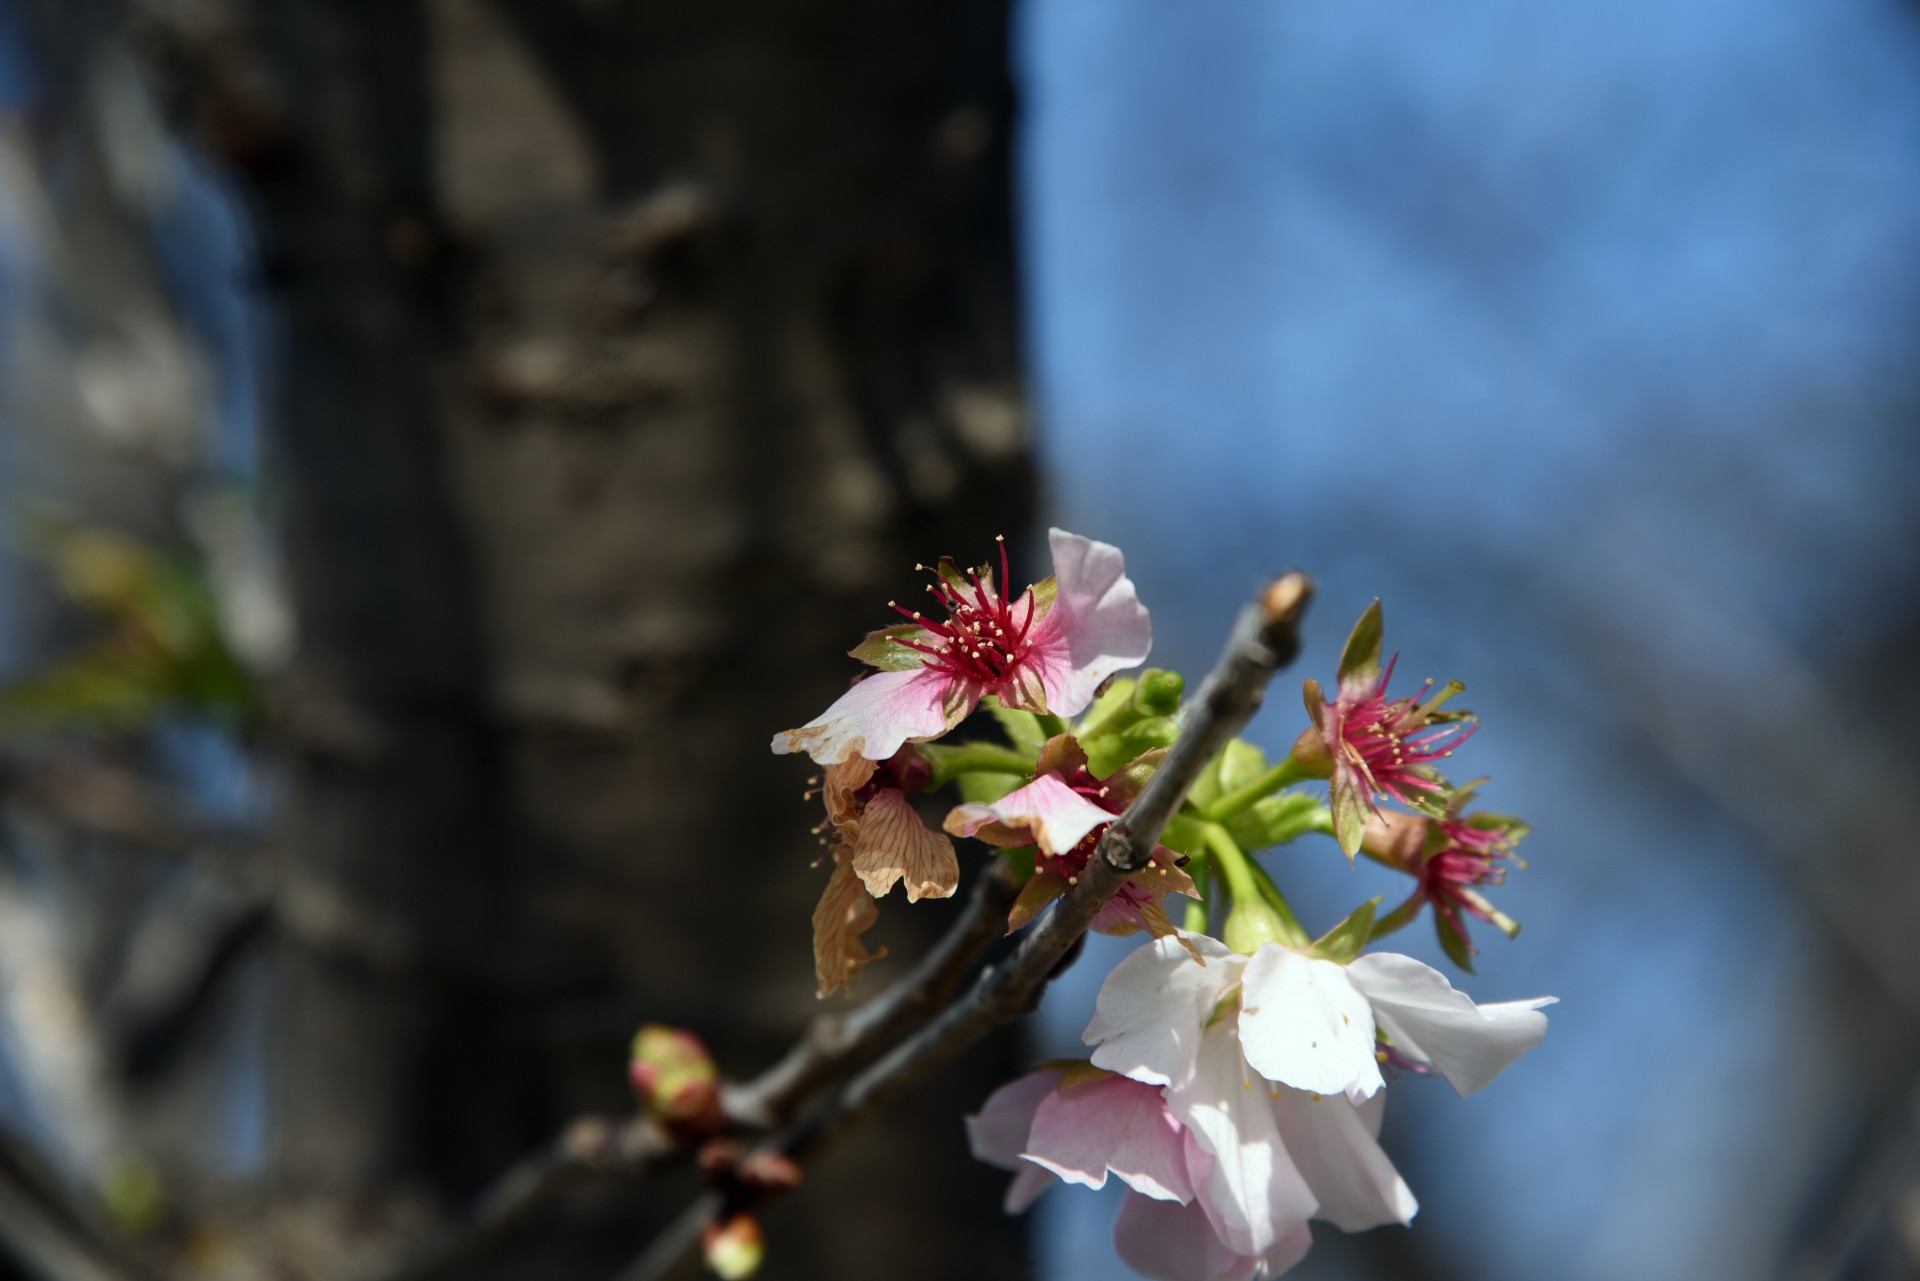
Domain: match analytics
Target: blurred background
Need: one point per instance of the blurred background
(440, 440)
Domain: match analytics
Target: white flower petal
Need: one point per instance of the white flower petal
(1304, 1024)
(1112, 1124)
(1151, 1009)
(1430, 1021)
(1256, 1194)
(877, 716)
(1332, 1143)
(1097, 625)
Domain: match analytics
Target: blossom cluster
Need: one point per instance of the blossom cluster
(1237, 1068)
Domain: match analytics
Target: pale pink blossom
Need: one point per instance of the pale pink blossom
(1232, 1170)
(1046, 649)
(1063, 813)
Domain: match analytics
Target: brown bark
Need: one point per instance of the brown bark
(630, 354)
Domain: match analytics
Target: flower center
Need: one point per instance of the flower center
(984, 637)
(1387, 740)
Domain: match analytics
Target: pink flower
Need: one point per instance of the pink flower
(1380, 746)
(1063, 812)
(1044, 650)
(1450, 858)
(1220, 1189)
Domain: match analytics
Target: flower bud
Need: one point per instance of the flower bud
(1158, 693)
(734, 1247)
(673, 1074)
(1251, 926)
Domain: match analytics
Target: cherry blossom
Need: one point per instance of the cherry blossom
(1063, 812)
(1044, 650)
(1380, 746)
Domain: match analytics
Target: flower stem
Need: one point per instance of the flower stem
(1053, 726)
(973, 758)
(1248, 882)
(1291, 770)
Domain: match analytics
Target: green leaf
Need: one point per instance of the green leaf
(984, 789)
(1111, 702)
(1241, 763)
(1206, 789)
(1110, 753)
(1346, 940)
(1360, 660)
(1021, 728)
(1278, 820)
(883, 648)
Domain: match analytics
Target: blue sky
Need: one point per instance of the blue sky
(1507, 312)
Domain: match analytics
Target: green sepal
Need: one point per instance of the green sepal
(1021, 728)
(1350, 813)
(1453, 943)
(1360, 659)
(1349, 938)
(882, 648)
(1513, 829)
(956, 578)
(1278, 820)
(985, 789)
(1079, 1072)
(1044, 593)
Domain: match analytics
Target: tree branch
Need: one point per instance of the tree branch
(833, 1045)
(1265, 638)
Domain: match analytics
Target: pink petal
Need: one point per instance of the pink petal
(1097, 625)
(997, 1133)
(1431, 1021)
(1303, 1023)
(1167, 1241)
(1333, 1144)
(879, 715)
(1148, 1017)
(1057, 817)
(1089, 1129)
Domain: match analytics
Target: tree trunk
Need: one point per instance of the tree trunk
(631, 355)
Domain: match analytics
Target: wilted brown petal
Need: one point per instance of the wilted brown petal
(894, 845)
(845, 912)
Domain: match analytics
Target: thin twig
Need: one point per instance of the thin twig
(832, 1046)
(1265, 638)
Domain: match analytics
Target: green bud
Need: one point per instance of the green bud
(1158, 693)
(1251, 926)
